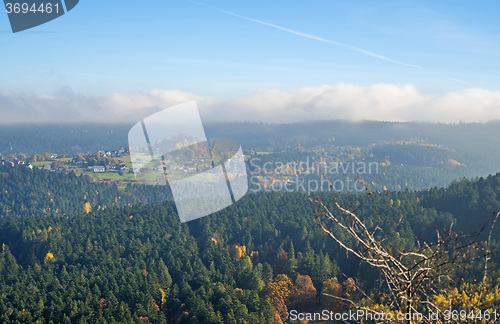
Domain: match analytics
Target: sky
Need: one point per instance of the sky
(274, 61)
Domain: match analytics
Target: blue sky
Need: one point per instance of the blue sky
(102, 47)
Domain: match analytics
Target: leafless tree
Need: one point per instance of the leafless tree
(412, 276)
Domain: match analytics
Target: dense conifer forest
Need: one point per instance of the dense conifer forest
(74, 251)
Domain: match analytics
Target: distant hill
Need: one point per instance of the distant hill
(472, 146)
(471, 137)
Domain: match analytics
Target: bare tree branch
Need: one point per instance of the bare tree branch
(411, 275)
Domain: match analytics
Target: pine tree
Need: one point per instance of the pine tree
(291, 264)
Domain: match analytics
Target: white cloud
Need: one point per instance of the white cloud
(386, 102)
(376, 102)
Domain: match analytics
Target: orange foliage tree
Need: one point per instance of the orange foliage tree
(278, 291)
(303, 292)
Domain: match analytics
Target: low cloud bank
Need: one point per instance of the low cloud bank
(384, 102)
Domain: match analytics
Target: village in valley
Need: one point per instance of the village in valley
(103, 166)
(272, 168)
(115, 166)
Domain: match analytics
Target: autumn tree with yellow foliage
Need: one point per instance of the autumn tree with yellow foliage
(87, 207)
(48, 257)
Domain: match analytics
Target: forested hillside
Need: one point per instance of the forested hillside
(249, 263)
(475, 142)
(412, 156)
(36, 192)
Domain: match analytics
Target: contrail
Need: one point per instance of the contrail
(353, 48)
(350, 47)
(464, 82)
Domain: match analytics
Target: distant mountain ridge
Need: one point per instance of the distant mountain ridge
(89, 137)
(474, 146)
